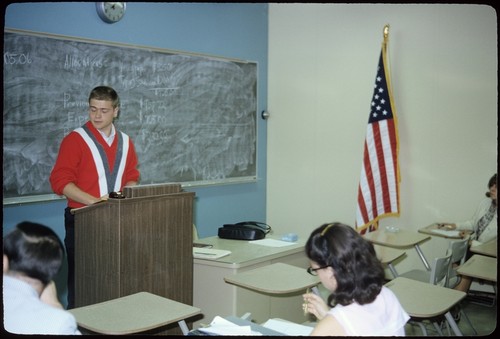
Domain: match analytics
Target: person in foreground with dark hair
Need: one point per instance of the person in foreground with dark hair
(359, 303)
(32, 256)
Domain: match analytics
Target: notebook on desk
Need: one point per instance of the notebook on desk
(209, 253)
(446, 233)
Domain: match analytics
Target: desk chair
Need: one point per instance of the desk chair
(458, 252)
(437, 276)
(423, 301)
(133, 313)
(195, 233)
(275, 280)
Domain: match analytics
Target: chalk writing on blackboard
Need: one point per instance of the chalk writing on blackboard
(192, 117)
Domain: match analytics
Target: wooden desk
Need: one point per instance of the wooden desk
(277, 278)
(481, 267)
(423, 300)
(387, 256)
(134, 313)
(215, 297)
(488, 248)
(400, 239)
(433, 229)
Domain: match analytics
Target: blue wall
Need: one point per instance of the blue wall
(224, 29)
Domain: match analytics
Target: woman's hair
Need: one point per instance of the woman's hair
(359, 274)
(105, 93)
(34, 250)
(491, 182)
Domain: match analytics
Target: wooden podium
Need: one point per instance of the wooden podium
(140, 243)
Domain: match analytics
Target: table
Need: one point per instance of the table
(387, 256)
(433, 229)
(423, 300)
(399, 239)
(216, 297)
(481, 267)
(277, 278)
(488, 248)
(134, 313)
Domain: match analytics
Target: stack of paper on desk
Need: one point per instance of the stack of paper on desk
(221, 326)
(288, 328)
(209, 253)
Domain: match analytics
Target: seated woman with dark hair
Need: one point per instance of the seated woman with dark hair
(481, 227)
(359, 303)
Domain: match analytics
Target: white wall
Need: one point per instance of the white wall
(322, 65)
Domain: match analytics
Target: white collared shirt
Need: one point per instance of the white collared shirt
(25, 313)
(109, 140)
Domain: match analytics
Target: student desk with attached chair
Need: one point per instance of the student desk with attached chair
(133, 313)
(488, 248)
(399, 239)
(423, 300)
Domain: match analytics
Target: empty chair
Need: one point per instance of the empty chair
(440, 275)
(437, 276)
(458, 253)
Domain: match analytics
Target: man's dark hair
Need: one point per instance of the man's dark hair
(34, 250)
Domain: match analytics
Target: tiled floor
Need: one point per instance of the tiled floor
(483, 318)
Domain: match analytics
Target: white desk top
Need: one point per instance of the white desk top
(132, 314)
(488, 248)
(480, 266)
(400, 239)
(276, 278)
(243, 253)
(424, 300)
(387, 255)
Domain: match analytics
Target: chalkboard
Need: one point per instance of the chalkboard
(192, 117)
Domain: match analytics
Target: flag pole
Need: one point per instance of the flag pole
(374, 225)
(395, 116)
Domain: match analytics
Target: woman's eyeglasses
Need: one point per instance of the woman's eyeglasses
(312, 271)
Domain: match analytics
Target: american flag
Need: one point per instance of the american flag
(378, 190)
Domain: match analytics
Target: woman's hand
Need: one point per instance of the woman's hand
(315, 305)
(447, 226)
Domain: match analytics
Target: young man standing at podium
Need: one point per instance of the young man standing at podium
(93, 161)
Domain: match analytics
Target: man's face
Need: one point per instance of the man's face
(101, 114)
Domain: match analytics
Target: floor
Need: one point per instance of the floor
(483, 317)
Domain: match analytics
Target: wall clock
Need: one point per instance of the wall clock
(111, 12)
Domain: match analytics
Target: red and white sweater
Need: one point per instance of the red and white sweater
(79, 163)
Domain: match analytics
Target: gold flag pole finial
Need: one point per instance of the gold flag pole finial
(386, 31)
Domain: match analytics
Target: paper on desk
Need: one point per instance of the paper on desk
(447, 233)
(287, 327)
(209, 253)
(272, 243)
(221, 326)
